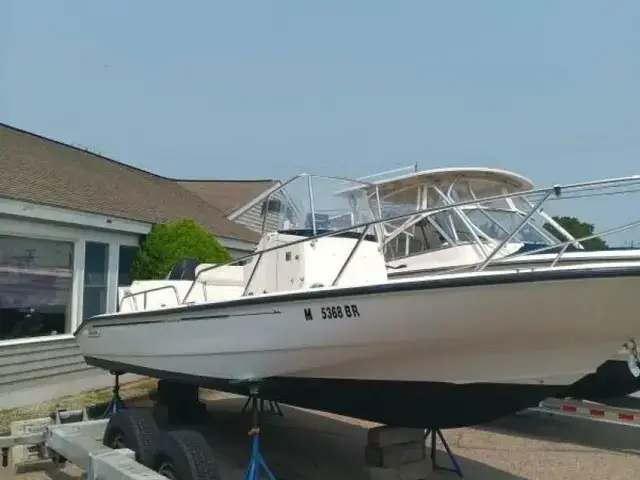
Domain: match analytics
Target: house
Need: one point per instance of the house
(71, 222)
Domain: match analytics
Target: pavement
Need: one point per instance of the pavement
(310, 445)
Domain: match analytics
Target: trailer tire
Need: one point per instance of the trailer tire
(133, 428)
(185, 455)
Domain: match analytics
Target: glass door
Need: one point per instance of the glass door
(96, 266)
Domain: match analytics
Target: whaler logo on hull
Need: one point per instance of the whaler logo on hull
(93, 332)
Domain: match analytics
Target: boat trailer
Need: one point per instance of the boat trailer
(77, 440)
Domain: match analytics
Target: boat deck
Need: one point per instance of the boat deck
(308, 445)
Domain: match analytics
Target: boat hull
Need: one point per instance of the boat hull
(613, 378)
(503, 328)
(495, 342)
(403, 404)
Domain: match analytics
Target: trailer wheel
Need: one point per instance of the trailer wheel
(133, 428)
(185, 455)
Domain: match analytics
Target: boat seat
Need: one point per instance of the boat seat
(221, 283)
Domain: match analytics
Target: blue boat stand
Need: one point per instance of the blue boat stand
(116, 403)
(435, 433)
(256, 463)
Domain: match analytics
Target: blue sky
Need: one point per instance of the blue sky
(266, 89)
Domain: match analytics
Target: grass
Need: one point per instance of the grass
(85, 399)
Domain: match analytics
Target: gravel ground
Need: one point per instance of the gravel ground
(94, 398)
(306, 445)
(551, 448)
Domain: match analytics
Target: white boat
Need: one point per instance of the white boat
(313, 316)
(500, 234)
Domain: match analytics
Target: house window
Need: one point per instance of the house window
(96, 263)
(125, 265)
(273, 205)
(36, 278)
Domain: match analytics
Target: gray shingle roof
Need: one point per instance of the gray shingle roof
(227, 195)
(40, 170)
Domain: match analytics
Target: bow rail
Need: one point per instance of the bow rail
(146, 292)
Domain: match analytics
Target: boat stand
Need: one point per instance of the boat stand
(256, 402)
(435, 433)
(257, 465)
(116, 403)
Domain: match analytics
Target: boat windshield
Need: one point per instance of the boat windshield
(486, 223)
(312, 204)
(307, 205)
(498, 221)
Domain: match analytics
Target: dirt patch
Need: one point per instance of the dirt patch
(89, 399)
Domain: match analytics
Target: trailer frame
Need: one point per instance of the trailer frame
(80, 443)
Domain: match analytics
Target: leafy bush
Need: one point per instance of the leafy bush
(578, 229)
(169, 243)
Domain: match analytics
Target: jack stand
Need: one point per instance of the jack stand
(257, 462)
(253, 400)
(116, 403)
(434, 434)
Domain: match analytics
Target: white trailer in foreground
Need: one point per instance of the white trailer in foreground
(128, 446)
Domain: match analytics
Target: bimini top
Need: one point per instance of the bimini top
(445, 177)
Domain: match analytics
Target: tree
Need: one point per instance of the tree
(578, 229)
(169, 243)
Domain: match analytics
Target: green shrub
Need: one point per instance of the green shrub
(169, 243)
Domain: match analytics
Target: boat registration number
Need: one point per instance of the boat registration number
(334, 311)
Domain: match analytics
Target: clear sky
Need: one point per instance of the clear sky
(266, 89)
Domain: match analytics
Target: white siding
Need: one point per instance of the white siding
(253, 217)
(39, 371)
(24, 365)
